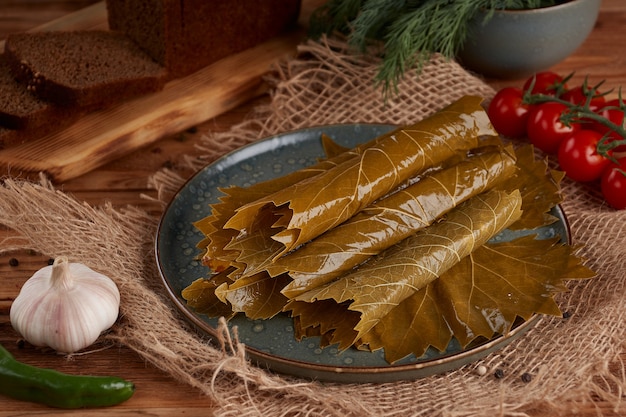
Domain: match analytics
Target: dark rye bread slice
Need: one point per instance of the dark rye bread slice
(22, 110)
(89, 69)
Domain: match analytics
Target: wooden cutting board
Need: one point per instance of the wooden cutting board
(106, 135)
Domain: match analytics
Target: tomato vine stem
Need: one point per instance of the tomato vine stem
(583, 113)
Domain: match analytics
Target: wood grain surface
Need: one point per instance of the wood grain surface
(124, 180)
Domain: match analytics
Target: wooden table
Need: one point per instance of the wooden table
(602, 57)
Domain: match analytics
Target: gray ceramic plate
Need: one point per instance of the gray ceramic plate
(271, 343)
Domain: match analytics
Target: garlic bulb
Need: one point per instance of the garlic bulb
(65, 306)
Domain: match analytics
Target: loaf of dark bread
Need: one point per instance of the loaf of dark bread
(86, 69)
(186, 35)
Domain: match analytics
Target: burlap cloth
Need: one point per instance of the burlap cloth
(572, 361)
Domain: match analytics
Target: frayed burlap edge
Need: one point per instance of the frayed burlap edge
(572, 361)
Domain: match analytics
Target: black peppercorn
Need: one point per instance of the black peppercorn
(499, 373)
(14, 262)
(526, 377)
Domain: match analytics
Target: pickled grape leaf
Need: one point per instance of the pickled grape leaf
(539, 186)
(395, 217)
(326, 318)
(479, 297)
(380, 284)
(332, 148)
(256, 296)
(200, 295)
(263, 247)
(507, 280)
(320, 203)
(423, 324)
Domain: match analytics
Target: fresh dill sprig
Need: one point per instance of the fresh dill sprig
(409, 30)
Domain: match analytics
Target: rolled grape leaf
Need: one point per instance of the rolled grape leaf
(214, 255)
(382, 283)
(402, 213)
(390, 220)
(317, 204)
(346, 245)
(377, 227)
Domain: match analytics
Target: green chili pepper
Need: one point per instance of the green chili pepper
(56, 389)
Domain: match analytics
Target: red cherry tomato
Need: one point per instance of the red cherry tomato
(544, 83)
(613, 184)
(545, 129)
(579, 158)
(508, 113)
(577, 96)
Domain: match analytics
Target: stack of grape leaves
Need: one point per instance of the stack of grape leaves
(393, 244)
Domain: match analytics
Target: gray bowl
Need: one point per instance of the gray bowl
(517, 43)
